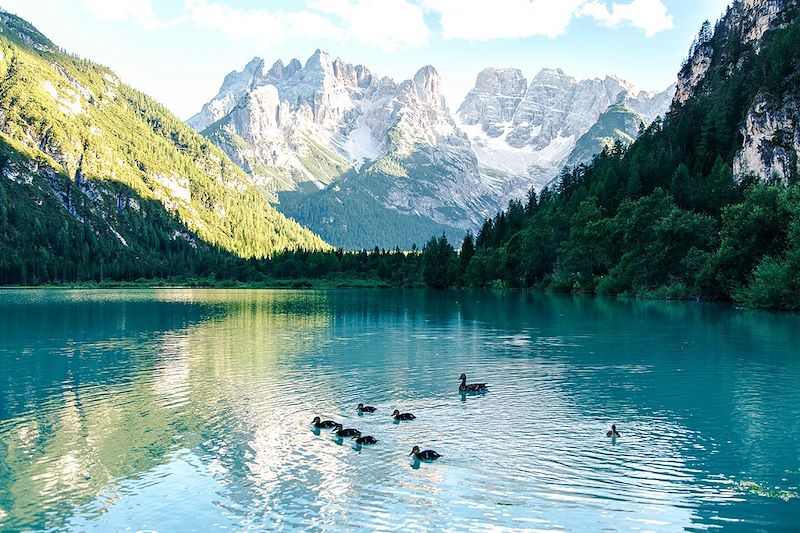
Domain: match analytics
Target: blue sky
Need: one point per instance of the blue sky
(179, 50)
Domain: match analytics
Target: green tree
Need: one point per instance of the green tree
(467, 251)
(439, 263)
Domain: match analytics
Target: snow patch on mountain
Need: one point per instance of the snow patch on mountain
(361, 146)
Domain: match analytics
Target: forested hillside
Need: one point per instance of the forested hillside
(668, 216)
(99, 180)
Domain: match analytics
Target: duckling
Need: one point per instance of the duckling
(365, 408)
(341, 432)
(472, 387)
(367, 439)
(402, 416)
(324, 424)
(613, 432)
(425, 455)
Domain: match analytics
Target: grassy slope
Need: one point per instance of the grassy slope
(97, 147)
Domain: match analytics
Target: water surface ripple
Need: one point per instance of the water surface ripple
(187, 410)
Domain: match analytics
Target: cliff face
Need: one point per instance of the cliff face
(770, 139)
(745, 22)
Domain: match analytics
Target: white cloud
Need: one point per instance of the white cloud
(648, 15)
(512, 19)
(387, 24)
(139, 11)
(260, 24)
(503, 19)
(393, 24)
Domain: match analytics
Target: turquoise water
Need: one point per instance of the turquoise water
(189, 410)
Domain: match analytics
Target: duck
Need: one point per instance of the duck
(341, 432)
(366, 439)
(424, 455)
(397, 415)
(365, 408)
(613, 432)
(324, 424)
(471, 387)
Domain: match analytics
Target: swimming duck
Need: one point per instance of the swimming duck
(324, 424)
(367, 439)
(365, 408)
(341, 432)
(472, 387)
(425, 455)
(402, 416)
(613, 431)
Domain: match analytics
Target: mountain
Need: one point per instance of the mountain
(771, 138)
(364, 161)
(425, 182)
(704, 204)
(288, 125)
(617, 123)
(524, 133)
(337, 146)
(98, 177)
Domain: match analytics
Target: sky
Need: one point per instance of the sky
(179, 51)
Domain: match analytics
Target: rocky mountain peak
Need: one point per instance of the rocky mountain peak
(293, 66)
(234, 87)
(551, 75)
(493, 100)
(502, 81)
(318, 60)
(277, 70)
(253, 66)
(427, 75)
(428, 85)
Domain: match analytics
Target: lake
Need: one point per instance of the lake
(189, 410)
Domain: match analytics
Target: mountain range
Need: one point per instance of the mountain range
(525, 133)
(363, 160)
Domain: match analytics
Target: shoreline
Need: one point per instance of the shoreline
(323, 284)
(190, 284)
(328, 284)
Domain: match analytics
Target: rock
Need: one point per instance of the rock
(235, 85)
(771, 139)
(494, 99)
